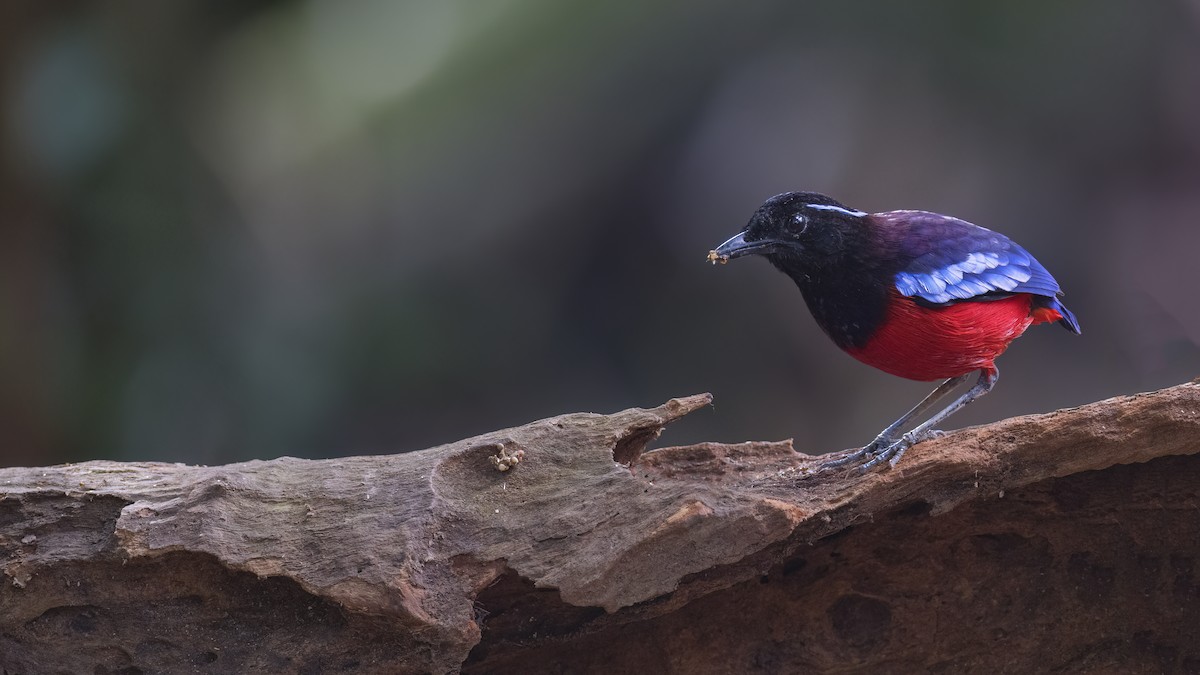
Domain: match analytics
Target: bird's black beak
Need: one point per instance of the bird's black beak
(737, 246)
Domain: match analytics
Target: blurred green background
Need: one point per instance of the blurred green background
(248, 229)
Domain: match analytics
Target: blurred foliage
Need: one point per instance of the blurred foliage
(238, 229)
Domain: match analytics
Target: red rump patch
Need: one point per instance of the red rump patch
(935, 343)
(1046, 315)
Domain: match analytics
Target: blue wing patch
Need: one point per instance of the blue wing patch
(946, 260)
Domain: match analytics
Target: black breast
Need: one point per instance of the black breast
(848, 309)
(847, 287)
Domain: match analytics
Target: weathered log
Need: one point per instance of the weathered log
(1067, 541)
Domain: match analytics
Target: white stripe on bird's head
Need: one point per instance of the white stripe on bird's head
(838, 209)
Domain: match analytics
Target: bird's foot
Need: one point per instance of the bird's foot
(868, 451)
(882, 450)
(891, 454)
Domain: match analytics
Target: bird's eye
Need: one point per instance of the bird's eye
(801, 221)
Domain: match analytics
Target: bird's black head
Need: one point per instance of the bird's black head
(794, 230)
(830, 251)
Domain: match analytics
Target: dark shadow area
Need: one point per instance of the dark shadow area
(513, 613)
(186, 612)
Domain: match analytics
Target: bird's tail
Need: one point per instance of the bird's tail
(1068, 319)
(1046, 310)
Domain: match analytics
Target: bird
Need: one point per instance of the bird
(916, 294)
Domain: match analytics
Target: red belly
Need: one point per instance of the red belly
(934, 343)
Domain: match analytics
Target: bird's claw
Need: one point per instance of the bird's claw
(891, 454)
(868, 451)
(883, 450)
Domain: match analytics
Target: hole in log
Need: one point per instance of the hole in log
(915, 509)
(633, 444)
(513, 612)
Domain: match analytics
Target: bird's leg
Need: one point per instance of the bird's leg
(887, 437)
(927, 429)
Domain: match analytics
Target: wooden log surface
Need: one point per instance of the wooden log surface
(590, 553)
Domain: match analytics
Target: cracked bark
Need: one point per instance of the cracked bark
(1064, 541)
